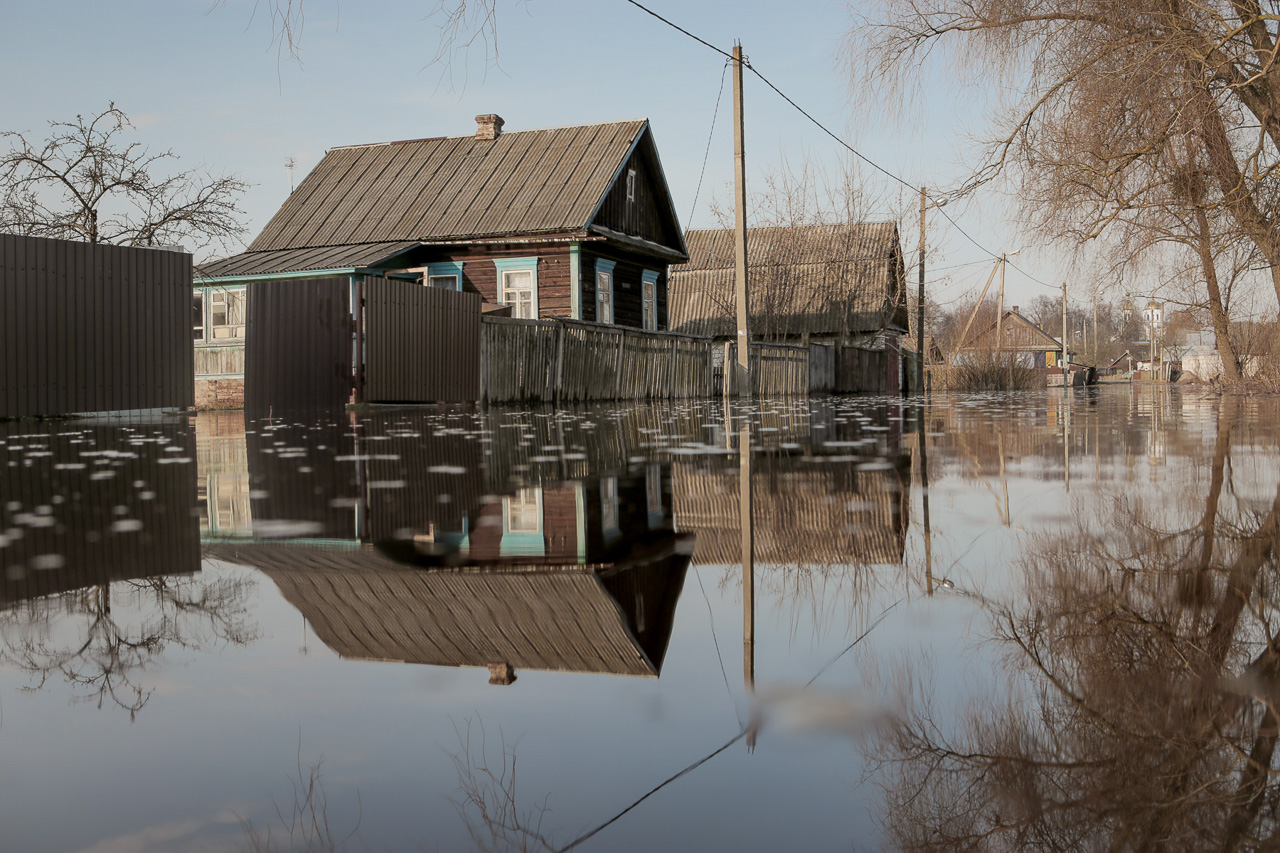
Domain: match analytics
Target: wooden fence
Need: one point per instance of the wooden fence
(570, 360)
(777, 370)
(87, 327)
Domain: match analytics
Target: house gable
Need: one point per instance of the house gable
(638, 203)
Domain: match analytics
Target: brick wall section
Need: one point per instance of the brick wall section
(219, 394)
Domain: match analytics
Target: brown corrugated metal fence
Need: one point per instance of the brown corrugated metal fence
(93, 328)
(298, 345)
(422, 344)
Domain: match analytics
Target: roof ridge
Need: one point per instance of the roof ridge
(472, 135)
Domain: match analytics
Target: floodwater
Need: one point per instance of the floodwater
(996, 621)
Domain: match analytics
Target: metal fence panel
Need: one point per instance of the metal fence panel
(88, 327)
(298, 345)
(422, 344)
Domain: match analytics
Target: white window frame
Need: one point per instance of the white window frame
(604, 284)
(505, 266)
(631, 184)
(216, 295)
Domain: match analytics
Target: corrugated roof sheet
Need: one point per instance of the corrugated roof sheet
(302, 260)
(822, 279)
(535, 181)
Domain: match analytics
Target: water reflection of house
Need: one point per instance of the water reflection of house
(592, 618)
(828, 514)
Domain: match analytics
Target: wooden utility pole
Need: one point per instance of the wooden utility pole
(742, 370)
(1066, 380)
(920, 306)
(1000, 311)
(747, 534)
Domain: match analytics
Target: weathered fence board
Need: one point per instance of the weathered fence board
(569, 361)
(422, 344)
(90, 327)
(862, 371)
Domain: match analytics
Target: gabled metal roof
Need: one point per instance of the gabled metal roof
(523, 182)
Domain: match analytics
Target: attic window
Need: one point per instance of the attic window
(631, 184)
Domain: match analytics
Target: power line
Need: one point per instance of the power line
(838, 140)
(707, 154)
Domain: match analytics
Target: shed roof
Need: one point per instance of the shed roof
(308, 259)
(817, 279)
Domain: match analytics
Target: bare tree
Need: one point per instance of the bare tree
(1146, 121)
(88, 182)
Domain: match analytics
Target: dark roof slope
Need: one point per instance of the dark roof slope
(817, 279)
(457, 187)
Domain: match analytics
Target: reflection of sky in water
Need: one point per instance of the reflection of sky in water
(247, 668)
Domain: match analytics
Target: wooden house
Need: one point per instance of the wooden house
(575, 222)
(821, 283)
(1014, 333)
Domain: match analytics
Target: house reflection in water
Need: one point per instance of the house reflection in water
(579, 576)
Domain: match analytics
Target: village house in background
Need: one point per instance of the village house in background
(572, 222)
(839, 285)
(1014, 333)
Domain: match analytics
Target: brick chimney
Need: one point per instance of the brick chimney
(1015, 309)
(489, 126)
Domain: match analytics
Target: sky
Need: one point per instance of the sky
(207, 80)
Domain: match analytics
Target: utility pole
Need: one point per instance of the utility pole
(742, 370)
(1000, 312)
(920, 306)
(1066, 380)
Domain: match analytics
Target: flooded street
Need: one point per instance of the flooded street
(1052, 623)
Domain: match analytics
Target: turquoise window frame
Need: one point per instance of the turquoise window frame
(453, 268)
(506, 265)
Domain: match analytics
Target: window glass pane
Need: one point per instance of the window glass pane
(197, 315)
(604, 297)
(448, 282)
(517, 287)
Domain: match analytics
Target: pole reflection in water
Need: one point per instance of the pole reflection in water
(748, 559)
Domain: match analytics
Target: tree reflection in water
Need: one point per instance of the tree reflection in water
(1147, 661)
(101, 639)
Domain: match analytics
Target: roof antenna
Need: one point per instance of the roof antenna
(289, 163)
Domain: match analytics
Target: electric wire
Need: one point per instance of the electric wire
(864, 158)
(706, 155)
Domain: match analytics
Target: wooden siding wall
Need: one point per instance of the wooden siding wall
(642, 217)
(298, 345)
(422, 344)
(567, 360)
(628, 294)
(479, 275)
(92, 328)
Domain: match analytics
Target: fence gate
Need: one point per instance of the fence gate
(422, 344)
(298, 345)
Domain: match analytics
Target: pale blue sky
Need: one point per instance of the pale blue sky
(205, 80)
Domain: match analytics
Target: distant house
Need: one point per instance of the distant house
(1015, 333)
(574, 222)
(822, 283)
